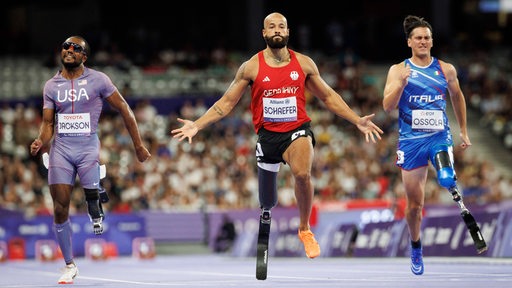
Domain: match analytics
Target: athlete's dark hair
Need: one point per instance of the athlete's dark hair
(411, 22)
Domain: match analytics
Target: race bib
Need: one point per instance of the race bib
(280, 109)
(427, 120)
(78, 124)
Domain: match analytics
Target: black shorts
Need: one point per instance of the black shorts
(271, 145)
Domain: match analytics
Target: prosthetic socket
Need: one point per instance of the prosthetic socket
(267, 183)
(446, 176)
(93, 204)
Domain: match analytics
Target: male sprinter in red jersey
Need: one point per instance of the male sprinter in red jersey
(279, 78)
(72, 104)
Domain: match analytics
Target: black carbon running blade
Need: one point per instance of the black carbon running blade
(262, 252)
(474, 231)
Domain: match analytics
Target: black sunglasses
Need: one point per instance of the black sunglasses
(76, 47)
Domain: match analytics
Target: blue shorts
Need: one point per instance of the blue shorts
(415, 153)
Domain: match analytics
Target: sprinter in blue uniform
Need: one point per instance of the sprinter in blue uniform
(419, 87)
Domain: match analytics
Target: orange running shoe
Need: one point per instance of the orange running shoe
(310, 245)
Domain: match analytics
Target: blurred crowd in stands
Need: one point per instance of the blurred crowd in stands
(218, 171)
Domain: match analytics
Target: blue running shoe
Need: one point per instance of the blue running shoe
(417, 261)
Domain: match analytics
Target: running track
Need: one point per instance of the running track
(210, 270)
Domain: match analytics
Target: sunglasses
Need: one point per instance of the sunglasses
(76, 47)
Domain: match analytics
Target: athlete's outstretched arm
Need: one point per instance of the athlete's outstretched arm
(219, 109)
(334, 102)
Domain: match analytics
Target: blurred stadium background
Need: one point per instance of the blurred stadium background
(171, 63)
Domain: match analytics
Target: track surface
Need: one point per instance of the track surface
(225, 271)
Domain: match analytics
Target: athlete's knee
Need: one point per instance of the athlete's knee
(60, 204)
(303, 178)
(446, 176)
(415, 211)
(60, 214)
(267, 185)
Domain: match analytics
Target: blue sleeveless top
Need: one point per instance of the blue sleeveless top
(422, 106)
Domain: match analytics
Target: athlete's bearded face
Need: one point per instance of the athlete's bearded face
(71, 65)
(72, 57)
(277, 41)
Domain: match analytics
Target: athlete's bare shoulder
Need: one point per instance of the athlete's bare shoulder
(448, 69)
(249, 69)
(307, 63)
(445, 65)
(396, 66)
